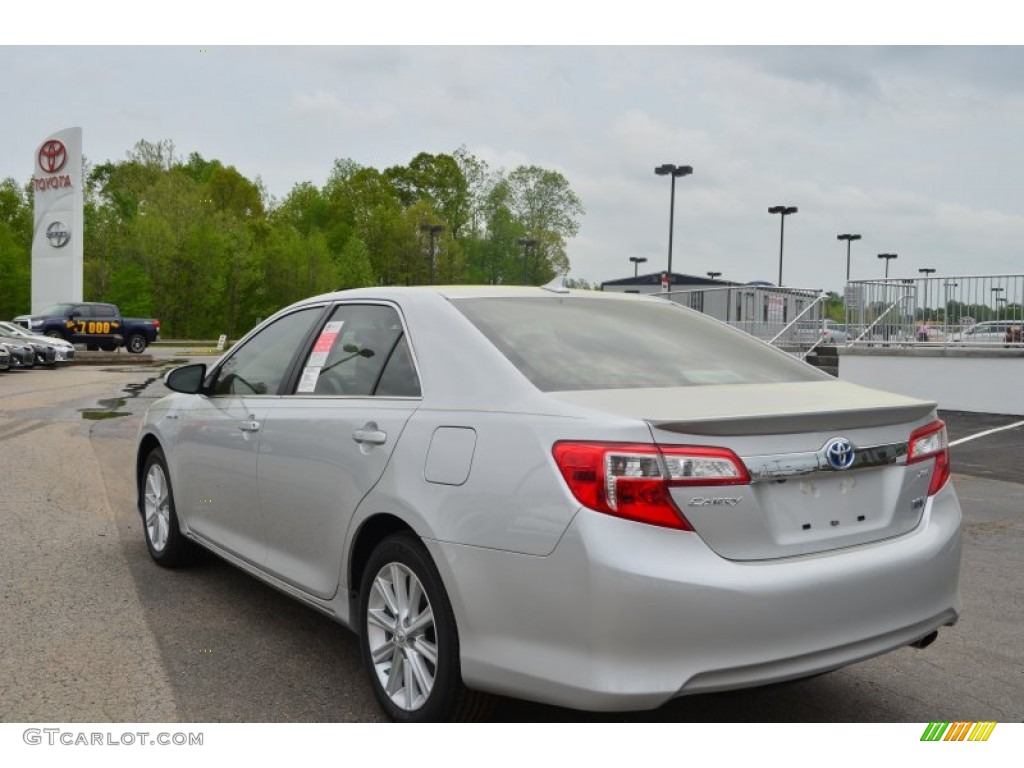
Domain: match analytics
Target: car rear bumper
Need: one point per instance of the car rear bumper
(627, 616)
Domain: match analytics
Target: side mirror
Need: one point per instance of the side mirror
(188, 379)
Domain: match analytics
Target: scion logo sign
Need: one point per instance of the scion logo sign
(52, 156)
(58, 234)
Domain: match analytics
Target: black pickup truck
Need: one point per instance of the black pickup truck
(98, 326)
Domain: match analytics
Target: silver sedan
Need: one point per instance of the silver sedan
(593, 500)
(64, 350)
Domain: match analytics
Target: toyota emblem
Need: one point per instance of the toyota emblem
(52, 156)
(839, 453)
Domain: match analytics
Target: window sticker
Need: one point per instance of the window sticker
(310, 376)
(323, 347)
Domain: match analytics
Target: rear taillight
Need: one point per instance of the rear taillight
(929, 442)
(632, 480)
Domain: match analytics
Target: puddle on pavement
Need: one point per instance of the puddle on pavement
(107, 409)
(137, 388)
(134, 390)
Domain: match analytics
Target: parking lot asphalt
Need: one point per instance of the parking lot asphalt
(986, 445)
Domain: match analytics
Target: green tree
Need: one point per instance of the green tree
(208, 250)
(355, 269)
(15, 249)
(438, 181)
(835, 309)
(544, 203)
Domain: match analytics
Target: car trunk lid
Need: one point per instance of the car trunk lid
(827, 462)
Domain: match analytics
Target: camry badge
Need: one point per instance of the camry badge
(703, 501)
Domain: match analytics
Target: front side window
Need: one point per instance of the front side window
(57, 310)
(361, 352)
(259, 366)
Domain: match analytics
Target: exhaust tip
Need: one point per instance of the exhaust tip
(925, 641)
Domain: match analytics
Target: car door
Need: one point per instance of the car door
(78, 318)
(326, 445)
(220, 436)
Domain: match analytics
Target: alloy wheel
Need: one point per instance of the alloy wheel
(402, 636)
(157, 508)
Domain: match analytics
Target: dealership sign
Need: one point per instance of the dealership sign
(57, 234)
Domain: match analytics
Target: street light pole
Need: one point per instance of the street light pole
(713, 275)
(637, 261)
(926, 271)
(945, 309)
(675, 171)
(527, 243)
(783, 212)
(996, 298)
(848, 238)
(432, 230)
(888, 257)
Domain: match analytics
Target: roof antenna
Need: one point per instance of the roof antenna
(557, 285)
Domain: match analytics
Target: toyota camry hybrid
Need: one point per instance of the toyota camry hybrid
(595, 500)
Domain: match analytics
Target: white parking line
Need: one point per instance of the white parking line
(986, 432)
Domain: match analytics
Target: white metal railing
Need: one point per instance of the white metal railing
(805, 333)
(763, 311)
(948, 310)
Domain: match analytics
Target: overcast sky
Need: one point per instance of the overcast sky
(920, 149)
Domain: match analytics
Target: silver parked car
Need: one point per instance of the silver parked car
(990, 332)
(595, 500)
(64, 351)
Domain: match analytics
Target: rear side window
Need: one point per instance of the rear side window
(361, 352)
(580, 343)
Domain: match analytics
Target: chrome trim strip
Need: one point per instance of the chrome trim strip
(785, 465)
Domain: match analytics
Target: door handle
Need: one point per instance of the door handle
(370, 434)
(250, 426)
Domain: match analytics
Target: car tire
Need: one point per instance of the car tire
(408, 637)
(108, 347)
(167, 546)
(136, 343)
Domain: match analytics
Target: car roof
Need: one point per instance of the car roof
(474, 292)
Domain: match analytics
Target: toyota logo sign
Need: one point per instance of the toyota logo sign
(52, 156)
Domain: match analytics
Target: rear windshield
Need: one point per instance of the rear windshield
(580, 343)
